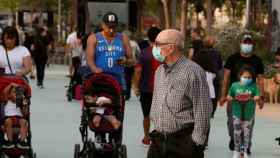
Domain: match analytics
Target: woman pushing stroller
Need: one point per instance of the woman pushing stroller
(16, 61)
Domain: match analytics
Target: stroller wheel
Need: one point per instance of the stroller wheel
(77, 151)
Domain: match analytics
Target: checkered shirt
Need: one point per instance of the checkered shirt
(181, 96)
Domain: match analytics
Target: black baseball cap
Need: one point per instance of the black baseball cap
(247, 38)
(110, 19)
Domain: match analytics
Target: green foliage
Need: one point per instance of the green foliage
(12, 5)
(152, 6)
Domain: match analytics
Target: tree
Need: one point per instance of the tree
(140, 9)
(198, 8)
(166, 8)
(209, 15)
(13, 6)
(184, 6)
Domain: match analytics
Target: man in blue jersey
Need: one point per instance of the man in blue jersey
(108, 51)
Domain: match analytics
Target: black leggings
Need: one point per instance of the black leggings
(40, 67)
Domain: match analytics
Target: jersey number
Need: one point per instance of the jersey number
(110, 62)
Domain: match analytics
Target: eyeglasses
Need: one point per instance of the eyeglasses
(158, 44)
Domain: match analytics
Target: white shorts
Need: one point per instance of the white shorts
(12, 110)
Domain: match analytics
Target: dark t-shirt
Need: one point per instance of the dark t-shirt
(197, 45)
(143, 44)
(149, 66)
(209, 59)
(40, 51)
(235, 62)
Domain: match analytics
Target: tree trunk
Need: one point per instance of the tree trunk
(233, 7)
(166, 13)
(140, 10)
(74, 14)
(209, 16)
(197, 18)
(259, 13)
(184, 10)
(249, 13)
(160, 14)
(173, 13)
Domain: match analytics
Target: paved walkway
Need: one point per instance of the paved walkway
(55, 124)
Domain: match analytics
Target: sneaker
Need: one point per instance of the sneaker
(236, 154)
(231, 145)
(8, 145)
(249, 151)
(40, 86)
(23, 145)
(246, 155)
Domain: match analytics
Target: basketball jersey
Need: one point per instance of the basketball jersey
(106, 55)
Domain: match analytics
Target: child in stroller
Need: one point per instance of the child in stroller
(102, 113)
(15, 98)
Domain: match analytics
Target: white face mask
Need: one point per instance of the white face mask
(246, 48)
(157, 54)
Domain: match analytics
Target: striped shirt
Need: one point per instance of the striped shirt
(181, 97)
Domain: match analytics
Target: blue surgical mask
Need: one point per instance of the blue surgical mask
(246, 48)
(245, 81)
(157, 55)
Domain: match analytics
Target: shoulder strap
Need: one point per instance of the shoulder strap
(6, 52)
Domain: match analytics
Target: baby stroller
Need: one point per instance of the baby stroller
(23, 95)
(107, 140)
(75, 81)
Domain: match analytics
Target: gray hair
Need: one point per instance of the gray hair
(172, 36)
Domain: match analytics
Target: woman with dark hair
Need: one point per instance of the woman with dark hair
(40, 47)
(14, 59)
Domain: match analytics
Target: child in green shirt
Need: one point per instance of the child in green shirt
(243, 111)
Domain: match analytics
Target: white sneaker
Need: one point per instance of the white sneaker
(246, 155)
(236, 154)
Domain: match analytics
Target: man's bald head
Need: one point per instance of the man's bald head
(171, 36)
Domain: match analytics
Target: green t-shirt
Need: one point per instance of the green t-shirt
(250, 107)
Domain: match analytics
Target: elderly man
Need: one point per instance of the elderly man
(181, 106)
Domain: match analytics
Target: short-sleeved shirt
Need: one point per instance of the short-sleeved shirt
(235, 62)
(16, 56)
(250, 107)
(72, 40)
(149, 66)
